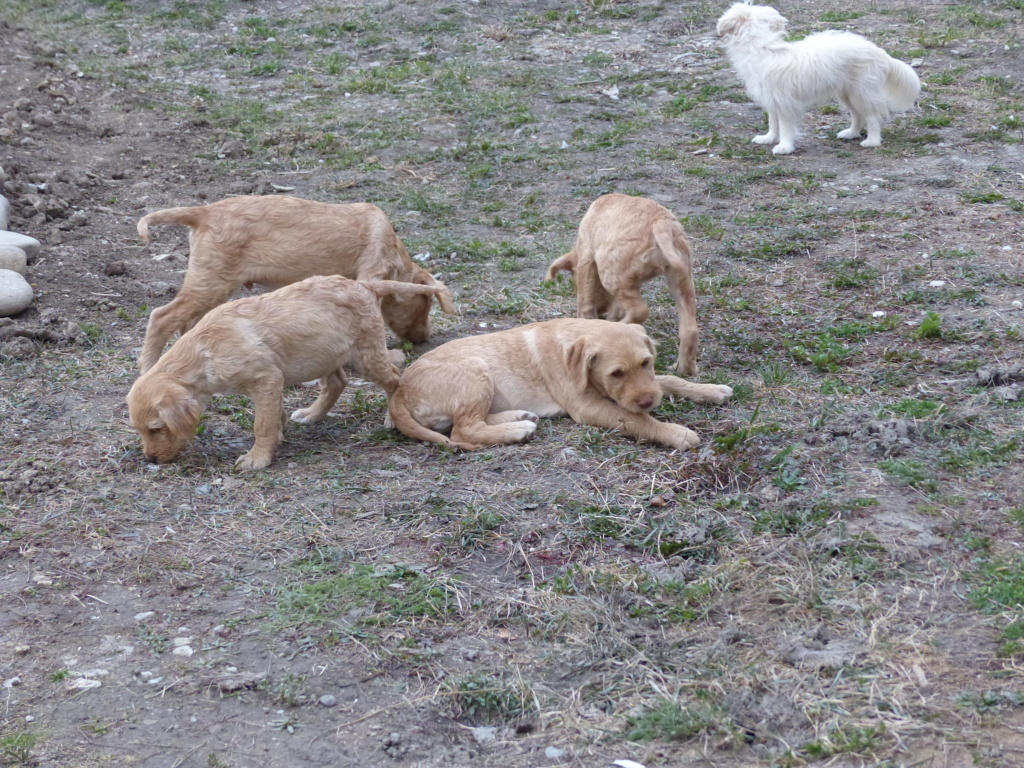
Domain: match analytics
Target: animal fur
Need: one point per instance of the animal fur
(623, 242)
(491, 389)
(257, 346)
(276, 240)
(788, 78)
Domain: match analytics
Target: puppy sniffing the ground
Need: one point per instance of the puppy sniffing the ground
(278, 240)
(491, 389)
(256, 347)
(788, 78)
(622, 243)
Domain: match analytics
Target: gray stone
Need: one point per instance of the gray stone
(28, 244)
(554, 753)
(15, 293)
(5, 213)
(485, 734)
(13, 259)
(327, 700)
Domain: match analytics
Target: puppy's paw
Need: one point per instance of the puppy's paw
(871, 143)
(388, 421)
(521, 431)
(849, 133)
(783, 149)
(687, 368)
(250, 462)
(396, 357)
(681, 438)
(304, 416)
(764, 138)
(526, 416)
(719, 393)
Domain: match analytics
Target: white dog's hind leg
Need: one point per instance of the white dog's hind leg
(853, 132)
(773, 131)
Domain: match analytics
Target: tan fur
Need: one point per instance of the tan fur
(491, 389)
(623, 242)
(277, 240)
(256, 347)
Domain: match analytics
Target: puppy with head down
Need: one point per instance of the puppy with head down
(256, 347)
(623, 242)
(275, 240)
(491, 389)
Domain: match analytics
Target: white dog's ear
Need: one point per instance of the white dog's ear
(579, 357)
(733, 19)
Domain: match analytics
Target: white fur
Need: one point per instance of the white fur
(788, 78)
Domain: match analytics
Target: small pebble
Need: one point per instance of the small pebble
(878, 313)
(144, 615)
(554, 753)
(327, 700)
(115, 269)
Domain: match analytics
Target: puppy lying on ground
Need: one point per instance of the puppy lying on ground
(278, 240)
(491, 389)
(788, 78)
(623, 242)
(256, 347)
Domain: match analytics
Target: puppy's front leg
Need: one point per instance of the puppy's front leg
(699, 393)
(773, 131)
(267, 401)
(601, 413)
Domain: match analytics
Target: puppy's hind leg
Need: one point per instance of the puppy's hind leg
(856, 124)
(331, 387)
(773, 131)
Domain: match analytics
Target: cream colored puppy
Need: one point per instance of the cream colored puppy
(491, 389)
(623, 242)
(256, 347)
(276, 240)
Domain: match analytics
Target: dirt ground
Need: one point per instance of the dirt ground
(833, 577)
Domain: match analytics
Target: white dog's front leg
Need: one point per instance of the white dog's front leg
(874, 126)
(787, 136)
(773, 131)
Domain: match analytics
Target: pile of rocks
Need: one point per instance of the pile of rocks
(15, 251)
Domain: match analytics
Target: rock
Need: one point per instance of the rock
(13, 259)
(485, 734)
(5, 213)
(144, 615)
(554, 753)
(15, 293)
(19, 348)
(28, 244)
(115, 269)
(327, 700)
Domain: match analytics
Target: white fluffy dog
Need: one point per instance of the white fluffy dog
(788, 78)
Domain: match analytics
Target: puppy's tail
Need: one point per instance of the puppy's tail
(902, 86)
(425, 285)
(566, 263)
(190, 217)
(401, 418)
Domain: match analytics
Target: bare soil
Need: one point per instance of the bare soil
(830, 578)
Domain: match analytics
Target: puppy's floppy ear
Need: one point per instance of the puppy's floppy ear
(651, 347)
(579, 357)
(180, 414)
(444, 297)
(155, 424)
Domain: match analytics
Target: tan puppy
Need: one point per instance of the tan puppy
(257, 346)
(491, 389)
(277, 240)
(623, 242)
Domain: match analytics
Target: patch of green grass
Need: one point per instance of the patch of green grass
(833, 17)
(909, 472)
(982, 449)
(16, 748)
(481, 698)
(912, 408)
(385, 593)
(864, 740)
(989, 701)
(668, 720)
(930, 327)
(851, 273)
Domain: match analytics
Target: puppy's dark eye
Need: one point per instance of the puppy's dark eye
(645, 364)
(618, 374)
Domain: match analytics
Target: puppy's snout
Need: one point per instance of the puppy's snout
(152, 459)
(644, 402)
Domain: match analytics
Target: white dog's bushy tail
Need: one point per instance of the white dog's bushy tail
(902, 86)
